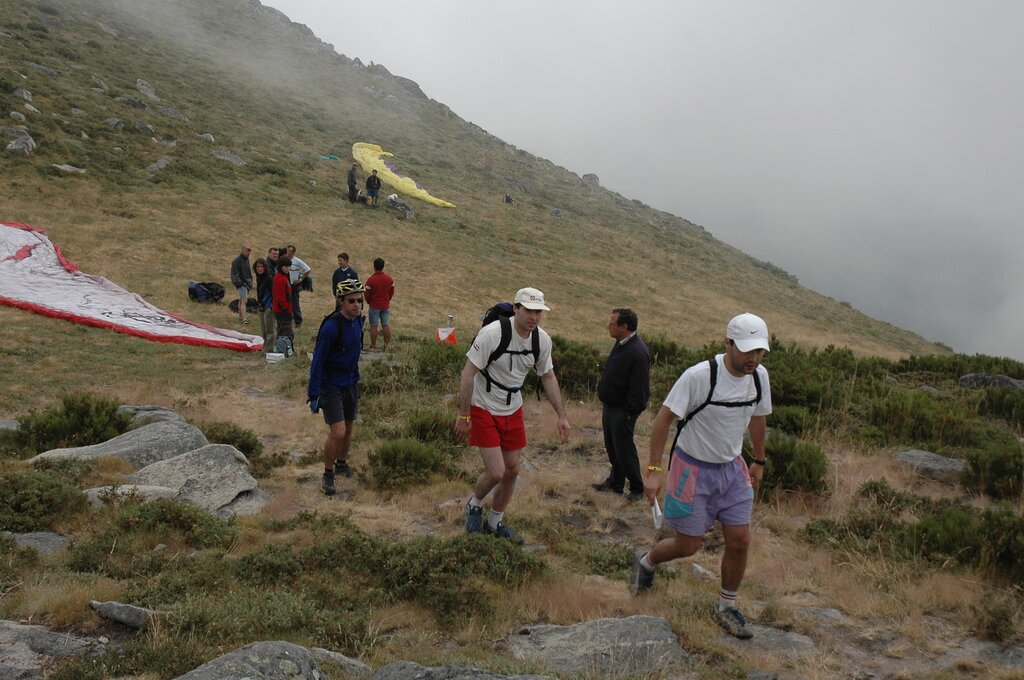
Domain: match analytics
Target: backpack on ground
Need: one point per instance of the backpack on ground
(283, 345)
(713, 365)
(503, 312)
(207, 292)
(251, 305)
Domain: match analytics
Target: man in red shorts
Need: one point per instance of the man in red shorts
(491, 405)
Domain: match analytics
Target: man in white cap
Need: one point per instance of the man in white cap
(491, 404)
(714, 401)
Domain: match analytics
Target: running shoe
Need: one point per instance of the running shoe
(327, 483)
(502, 531)
(474, 519)
(341, 467)
(641, 578)
(734, 623)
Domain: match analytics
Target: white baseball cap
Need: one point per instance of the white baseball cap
(531, 298)
(748, 332)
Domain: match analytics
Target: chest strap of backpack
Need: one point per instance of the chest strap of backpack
(713, 365)
(505, 324)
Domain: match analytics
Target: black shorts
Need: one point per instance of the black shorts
(340, 404)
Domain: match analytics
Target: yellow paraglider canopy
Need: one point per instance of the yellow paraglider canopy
(371, 157)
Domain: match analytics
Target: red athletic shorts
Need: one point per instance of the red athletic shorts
(489, 431)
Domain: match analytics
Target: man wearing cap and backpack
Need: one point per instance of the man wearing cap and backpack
(707, 480)
(491, 404)
(334, 378)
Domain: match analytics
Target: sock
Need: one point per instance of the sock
(475, 502)
(726, 599)
(646, 563)
(494, 519)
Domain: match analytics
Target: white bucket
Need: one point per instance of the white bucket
(274, 357)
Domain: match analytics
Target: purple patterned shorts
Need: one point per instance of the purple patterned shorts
(697, 494)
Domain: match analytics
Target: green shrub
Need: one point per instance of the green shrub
(917, 418)
(793, 465)
(433, 426)
(73, 470)
(264, 465)
(439, 364)
(1005, 403)
(997, 471)
(603, 559)
(37, 27)
(81, 420)
(956, 365)
(31, 500)
(223, 432)
(577, 365)
(395, 464)
(14, 561)
(794, 420)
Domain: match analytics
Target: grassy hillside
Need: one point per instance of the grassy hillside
(270, 92)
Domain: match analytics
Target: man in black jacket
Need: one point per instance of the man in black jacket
(624, 390)
(241, 279)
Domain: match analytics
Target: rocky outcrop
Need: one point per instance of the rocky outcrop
(977, 381)
(349, 665)
(930, 464)
(43, 541)
(144, 415)
(226, 155)
(260, 661)
(405, 670)
(140, 447)
(25, 649)
(636, 646)
(146, 88)
(129, 615)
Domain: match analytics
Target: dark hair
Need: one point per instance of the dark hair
(275, 250)
(378, 264)
(627, 318)
(284, 249)
(284, 262)
(259, 261)
(343, 256)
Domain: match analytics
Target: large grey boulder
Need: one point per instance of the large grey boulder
(773, 641)
(22, 145)
(260, 661)
(140, 447)
(22, 93)
(226, 155)
(146, 414)
(43, 541)
(632, 647)
(406, 670)
(976, 381)
(98, 496)
(211, 477)
(349, 665)
(930, 464)
(129, 615)
(146, 88)
(133, 102)
(8, 425)
(172, 113)
(25, 649)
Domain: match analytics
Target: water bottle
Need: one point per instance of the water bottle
(451, 321)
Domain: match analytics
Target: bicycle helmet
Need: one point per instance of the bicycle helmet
(347, 287)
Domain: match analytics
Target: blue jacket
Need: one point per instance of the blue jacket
(336, 355)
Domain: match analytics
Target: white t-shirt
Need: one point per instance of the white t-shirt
(508, 369)
(298, 269)
(715, 435)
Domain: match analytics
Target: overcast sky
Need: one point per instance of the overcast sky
(874, 149)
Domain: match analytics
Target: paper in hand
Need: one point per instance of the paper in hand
(656, 513)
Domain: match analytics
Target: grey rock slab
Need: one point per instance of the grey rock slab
(140, 447)
(18, 116)
(22, 145)
(267, 660)
(159, 165)
(100, 84)
(144, 127)
(406, 670)
(146, 414)
(22, 93)
(78, 112)
(129, 615)
(8, 425)
(43, 541)
(350, 665)
(980, 380)
(172, 113)
(209, 477)
(145, 492)
(70, 169)
(247, 503)
(31, 109)
(1011, 657)
(225, 155)
(115, 123)
(146, 88)
(25, 648)
(630, 647)
(207, 137)
(774, 641)
(930, 464)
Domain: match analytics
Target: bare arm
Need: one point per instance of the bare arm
(654, 480)
(469, 372)
(757, 428)
(554, 394)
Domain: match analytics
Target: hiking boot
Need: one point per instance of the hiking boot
(733, 622)
(474, 519)
(502, 531)
(327, 483)
(640, 579)
(341, 467)
(606, 485)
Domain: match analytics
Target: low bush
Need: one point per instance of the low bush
(996, 470)
(918, 418)
(223, 432)
(399, 463)
(433, 426)
(1005, 403)
(439, 363)
(264, 465)
(603, 559)
(577, 365)
(793, 465)
(80, 420)
(31, 500)
(794, 420)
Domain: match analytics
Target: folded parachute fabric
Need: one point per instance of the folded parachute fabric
(34, 275)
(371, 157)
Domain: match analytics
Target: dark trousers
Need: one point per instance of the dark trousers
(618, 429)
(284, 325)
(296, 310)
(353, 193)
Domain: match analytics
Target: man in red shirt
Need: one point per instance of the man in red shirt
(380, 288)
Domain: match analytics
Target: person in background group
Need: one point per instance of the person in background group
(334, 378)
(265, 303)
(344, 272)
(241, 279)
(708, 480)
(380, 288)
(272, 261)
(624, 390)
(299, 272)
(353, 191)
(372, 189)
(281, 300)
(491, 406)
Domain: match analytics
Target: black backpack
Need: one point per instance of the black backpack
(503, 312)
(207, 292)
(713, 365)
